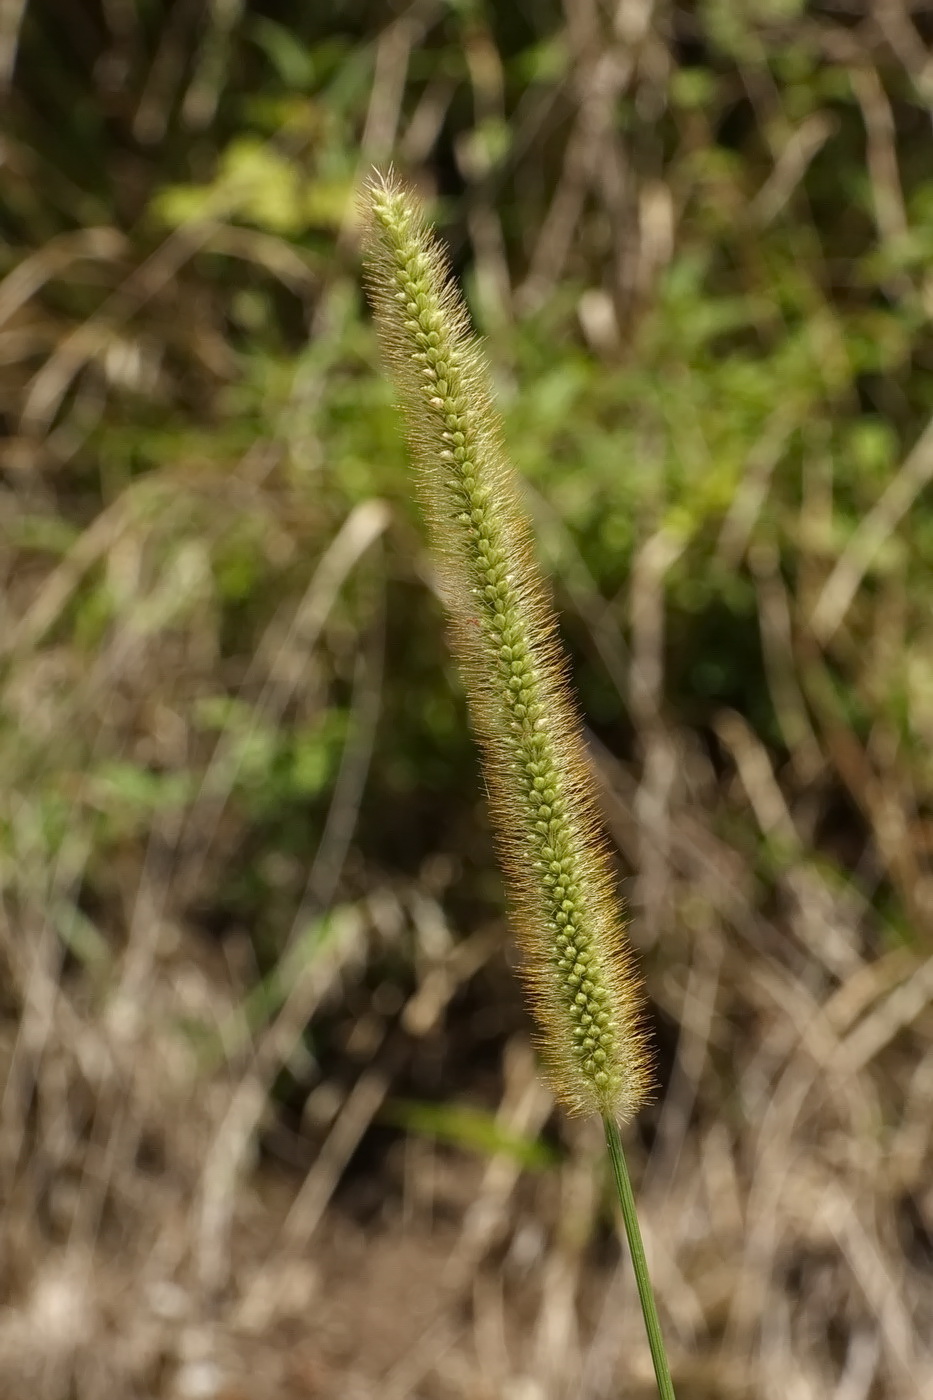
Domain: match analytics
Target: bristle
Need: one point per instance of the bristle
(578, 963)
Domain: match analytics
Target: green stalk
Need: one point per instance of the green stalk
(649, 1310)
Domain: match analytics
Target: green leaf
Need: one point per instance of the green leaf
(475, 1129)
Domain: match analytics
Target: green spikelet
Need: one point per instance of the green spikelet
(578, 962)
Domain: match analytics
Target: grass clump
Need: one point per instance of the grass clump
(245, 876)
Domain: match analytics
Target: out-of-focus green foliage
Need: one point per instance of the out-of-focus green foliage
(711, 372)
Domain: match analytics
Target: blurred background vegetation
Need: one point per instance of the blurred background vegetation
(270, 1121)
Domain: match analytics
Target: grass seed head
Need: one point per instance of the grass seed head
(578, 963)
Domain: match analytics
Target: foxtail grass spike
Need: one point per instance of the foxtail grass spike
(578, 964)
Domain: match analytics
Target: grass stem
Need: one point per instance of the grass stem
(639, 1262)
